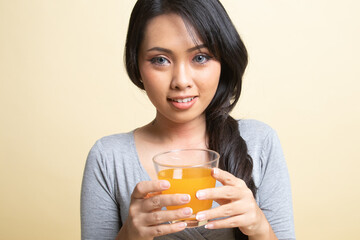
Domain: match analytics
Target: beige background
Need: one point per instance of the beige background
(63, 85)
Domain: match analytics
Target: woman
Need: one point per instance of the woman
(189, 58)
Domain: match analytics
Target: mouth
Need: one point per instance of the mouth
(181, 100)
(183, 103)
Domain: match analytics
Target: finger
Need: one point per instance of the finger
(226, 178)
(227, 193)
(164, 229)
(224, 192)
(162, 216)
(222, 201)
(230, 222)
(151, 194)
(159, 201)
(227, 210)
(142, 189)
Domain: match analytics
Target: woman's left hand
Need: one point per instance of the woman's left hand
(237, 205)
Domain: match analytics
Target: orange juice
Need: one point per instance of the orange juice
(189, 181)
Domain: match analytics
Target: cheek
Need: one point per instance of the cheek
(210, 78)
(153, 83)
(150, 75)
(150, 78)
(145, 72)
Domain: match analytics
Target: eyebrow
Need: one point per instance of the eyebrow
(198, 47)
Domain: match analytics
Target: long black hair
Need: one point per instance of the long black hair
(214, 27)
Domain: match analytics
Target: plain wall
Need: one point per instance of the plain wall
(63, 86)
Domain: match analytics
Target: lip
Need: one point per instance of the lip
(182, 102)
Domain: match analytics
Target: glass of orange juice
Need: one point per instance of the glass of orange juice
(188, 170)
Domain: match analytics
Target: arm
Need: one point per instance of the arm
(145, 220)
(274, 190)
(100, 218)
(100, 210)
(269, 219)
(238, 208)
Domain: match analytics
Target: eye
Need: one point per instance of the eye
(159, 61)
(201, 58)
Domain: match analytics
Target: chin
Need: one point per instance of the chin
(187, 119)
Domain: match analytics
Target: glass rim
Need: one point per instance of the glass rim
(183, 150)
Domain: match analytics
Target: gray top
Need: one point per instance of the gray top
(113, 169)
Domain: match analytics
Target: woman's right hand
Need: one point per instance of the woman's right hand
(145, 215)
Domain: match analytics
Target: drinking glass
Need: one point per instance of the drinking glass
(188, 170)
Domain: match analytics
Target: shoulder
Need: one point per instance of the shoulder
(254, 131)
(252, 124)
(114, 142)
(263, 145)
(270, 175)
(110, 148)
(115, 139)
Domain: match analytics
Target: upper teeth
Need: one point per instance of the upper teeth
(184, 100)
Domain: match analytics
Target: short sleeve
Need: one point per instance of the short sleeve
(274, 191)
(99, 209)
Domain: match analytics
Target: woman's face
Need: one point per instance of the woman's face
(179, 76)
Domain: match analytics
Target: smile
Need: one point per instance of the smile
(184, 100)
(184, 103)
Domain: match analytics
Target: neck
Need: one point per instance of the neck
(191, 134)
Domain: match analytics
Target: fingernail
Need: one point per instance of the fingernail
(182, 225)
(209, 225)
(200, 195)
(215, 171)
(164, 184)
(187, 211)
(185, 198)
(200, 216)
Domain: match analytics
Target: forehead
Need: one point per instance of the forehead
(169, 29)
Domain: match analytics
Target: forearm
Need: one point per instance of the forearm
(123, 234)
(126, 234)
(265, 233)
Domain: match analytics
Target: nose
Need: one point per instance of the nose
(181, 77)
